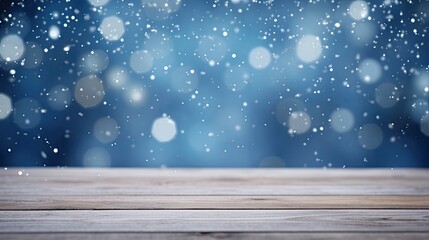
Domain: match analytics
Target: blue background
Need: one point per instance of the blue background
(215, 128)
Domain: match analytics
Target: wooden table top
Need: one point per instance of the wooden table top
(77, 203)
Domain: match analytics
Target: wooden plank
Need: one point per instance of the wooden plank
(283, 174)
(215, 221)
(216, 236)
(213, 190)
(221, 172)
(297, 204)
(106, 202)
(143, 182)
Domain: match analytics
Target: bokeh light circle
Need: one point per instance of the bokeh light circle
(342, 120)
(164, 129)
(309, 48)
(259, 58)
(141, 61)
(358, 10)
(27, 113)
(386, 95)
(106, 130)
(59, 97)
(89, 91)
(370, 71)
(5, 106)
(96, 157)
(299, 122)
(112, 28)
(11, 47)
(370, 136)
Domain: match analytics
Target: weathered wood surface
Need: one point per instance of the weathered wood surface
(215, 221)
(121, 182)
(109, 202)
(70, 203)
(216, 236)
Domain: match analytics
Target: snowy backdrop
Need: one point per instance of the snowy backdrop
(235, 83)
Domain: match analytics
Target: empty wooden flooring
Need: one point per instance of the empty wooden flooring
(76, 203)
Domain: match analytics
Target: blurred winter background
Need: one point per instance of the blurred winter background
(235, 83)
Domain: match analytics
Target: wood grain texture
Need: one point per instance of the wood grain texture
(181, 182)
(215, 221)
(70, 203)
(108, 202)
(215, 236)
